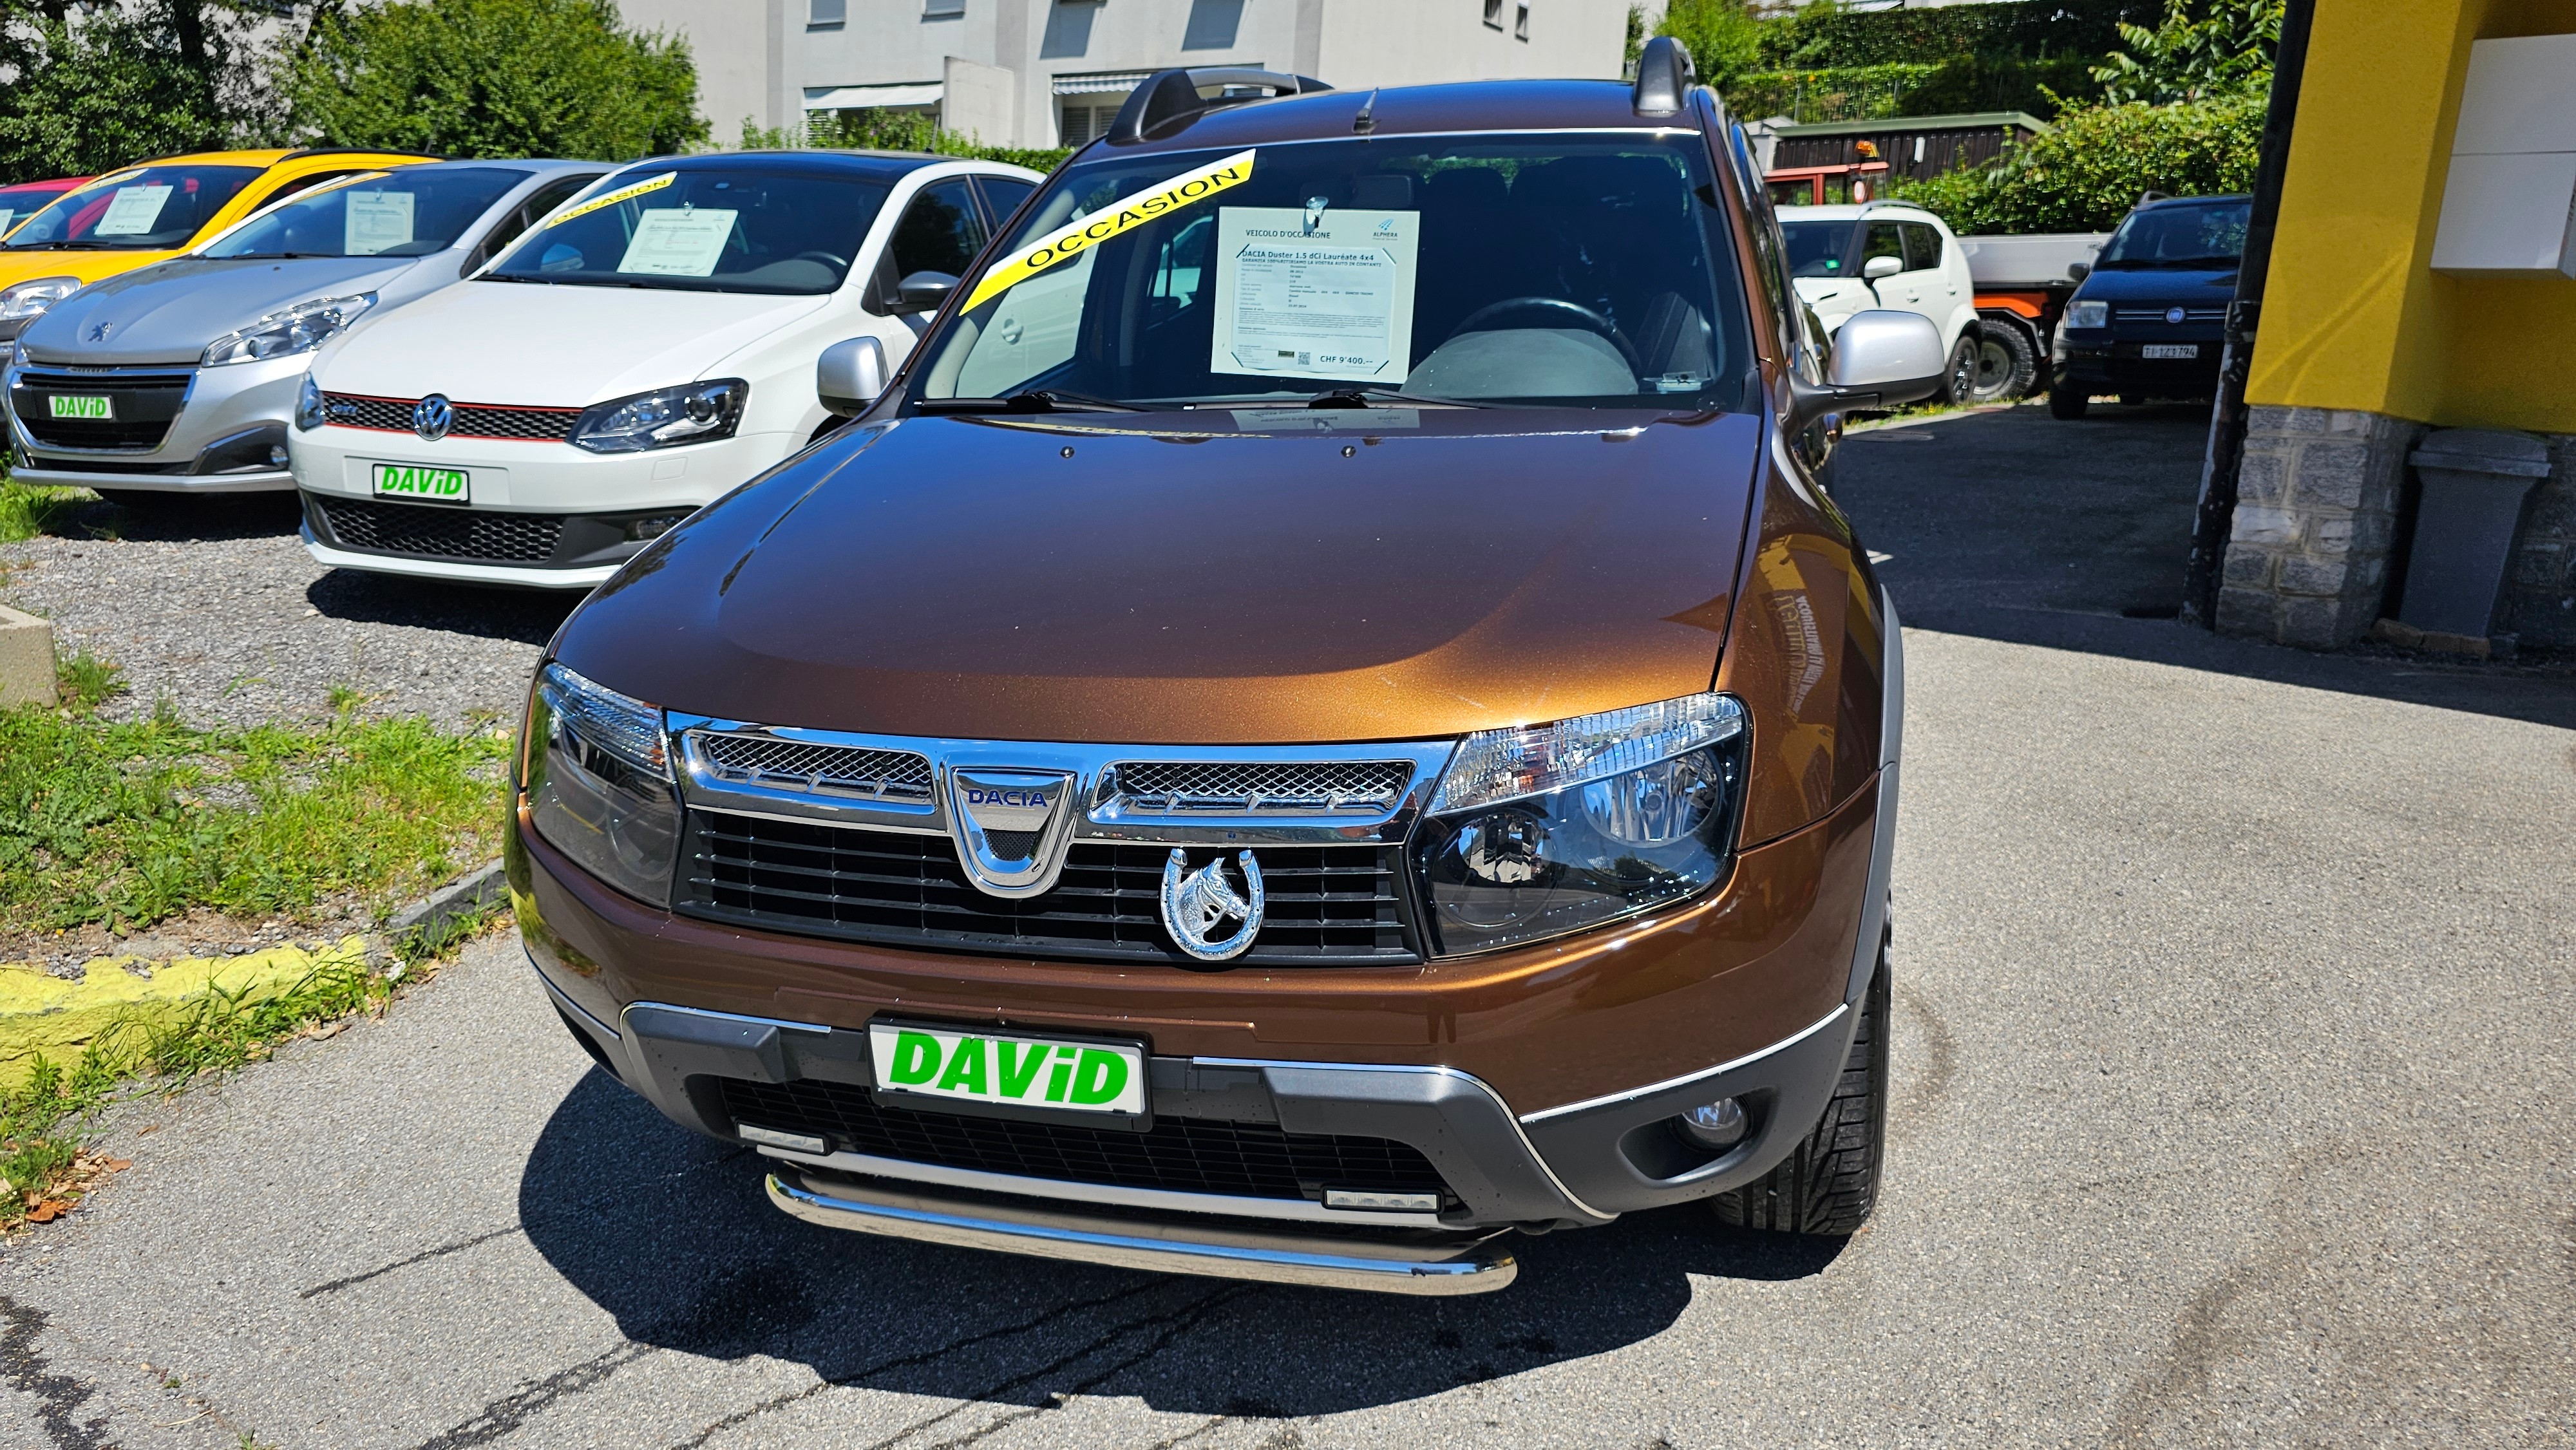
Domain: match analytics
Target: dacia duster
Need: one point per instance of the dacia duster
(1323, 718)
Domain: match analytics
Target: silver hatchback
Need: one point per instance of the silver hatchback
(181, 377)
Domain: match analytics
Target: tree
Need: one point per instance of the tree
(493, 78)
(1724, 37)
(2194, 56)
(2086, 172)
(95, 86)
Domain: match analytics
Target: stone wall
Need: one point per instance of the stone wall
(2538, 603)
(2316, 512)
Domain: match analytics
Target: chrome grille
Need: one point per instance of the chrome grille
(830, 769)
(470, 420)
(2157, 314)
(1181, 787)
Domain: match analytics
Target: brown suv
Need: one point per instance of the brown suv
(1324, 718)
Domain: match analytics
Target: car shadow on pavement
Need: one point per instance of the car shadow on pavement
(672, 1234)
(529, 616)
(182, 518)
(2073, 534)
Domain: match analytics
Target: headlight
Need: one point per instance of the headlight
(300, 328)
(2088, 314)
(1547, 829)
(308, 406)
(599, 783)
(695, 413)
(27, 299)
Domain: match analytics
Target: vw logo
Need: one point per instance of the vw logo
(2173, 314)
(1194, 902)
(431, 417)
(98, 331)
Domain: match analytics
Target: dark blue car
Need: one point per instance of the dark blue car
(2146, 323)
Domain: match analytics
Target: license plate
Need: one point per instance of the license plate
(65, 406)
(2170, 349)
(1008, 1070)
(422, 485)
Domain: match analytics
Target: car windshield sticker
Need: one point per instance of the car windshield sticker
(6, 216)
(612, 198)
(1306, 292)
(678, 242)
(378, 221)
(133, 211)
(1091, 229)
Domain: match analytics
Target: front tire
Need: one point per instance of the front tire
(2007, 364)
(1830, 1183)
(1959, 384)
(2067, 403)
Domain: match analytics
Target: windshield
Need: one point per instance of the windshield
(704, 229)
(1816, 248)
(17, 203)
(1562, 270)
(2170, 236)
(410, 213)
(155, 208)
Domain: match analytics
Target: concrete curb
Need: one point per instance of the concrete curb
(472, 892)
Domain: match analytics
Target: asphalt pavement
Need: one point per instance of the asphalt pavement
(2232, 1058)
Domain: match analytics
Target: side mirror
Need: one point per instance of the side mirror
(922, 292)
(2079, 270)
(1877, 267)
(1881, 359)
(850, 375)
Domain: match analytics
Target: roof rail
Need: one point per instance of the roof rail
(1172, 96)
(1664, 76)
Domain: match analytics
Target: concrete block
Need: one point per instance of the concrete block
(2307, 574)
(26, 659)
(2264, 474)
(2332, 475)
(2288, 420)
(2319, 623)
(2247, 565)
(2274, 527)
(2397, 632)
(2246, 612)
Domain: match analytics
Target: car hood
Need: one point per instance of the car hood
(168, 313)
(993, 580)
(2136, 285)
(537, 345)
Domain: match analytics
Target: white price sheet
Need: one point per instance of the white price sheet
(678, 242)
(133, 212)
(1309, 293)
(378, 221)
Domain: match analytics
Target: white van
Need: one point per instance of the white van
(644, 350)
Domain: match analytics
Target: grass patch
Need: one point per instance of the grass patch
(126, 823)
(27, 510)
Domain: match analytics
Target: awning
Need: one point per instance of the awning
(1100, 83)
(860, 98)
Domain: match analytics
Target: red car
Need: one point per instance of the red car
(19, 202)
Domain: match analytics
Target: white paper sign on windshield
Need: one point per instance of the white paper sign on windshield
(1303, 292)
(678, 242)
(378, 221)
(6, 217)
(133, 212)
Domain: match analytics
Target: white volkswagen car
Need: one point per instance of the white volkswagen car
(642, 351)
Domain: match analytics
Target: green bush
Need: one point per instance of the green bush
(495, 78)
(882, 130)
(2085, 174)
(1823, 63)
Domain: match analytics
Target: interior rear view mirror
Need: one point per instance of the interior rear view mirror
(850, 375)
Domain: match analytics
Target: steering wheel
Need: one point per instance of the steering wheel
(1561, 310)
(838, 264)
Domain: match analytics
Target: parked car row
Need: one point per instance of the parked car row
(508, 372)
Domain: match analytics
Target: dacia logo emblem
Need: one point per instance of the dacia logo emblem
(1011, 827)
(2174, 315)
(431, 417)
(1196, 902)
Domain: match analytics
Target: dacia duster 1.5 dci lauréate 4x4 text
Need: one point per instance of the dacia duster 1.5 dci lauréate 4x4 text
(1321, 720)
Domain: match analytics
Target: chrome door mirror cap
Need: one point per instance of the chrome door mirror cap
(850, 375)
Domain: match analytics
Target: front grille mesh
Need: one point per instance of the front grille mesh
(445, 533)
(2157, 314)
(1328, 905)
(1181, 1155)
(470, 420)
(1370, 787)
(144, 403)
(798, 765)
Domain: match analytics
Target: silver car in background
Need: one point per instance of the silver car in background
(180, 377)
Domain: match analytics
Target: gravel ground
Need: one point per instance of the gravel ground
(213, 605)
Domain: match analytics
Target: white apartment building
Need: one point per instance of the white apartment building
(1052, 72)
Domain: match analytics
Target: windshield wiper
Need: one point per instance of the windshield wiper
(1356, 398)
(1034, 400)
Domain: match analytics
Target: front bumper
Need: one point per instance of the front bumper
(226, 436)
(2107, 361)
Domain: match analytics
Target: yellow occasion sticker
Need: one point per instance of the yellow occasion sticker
(623, 193)
(1074, 237)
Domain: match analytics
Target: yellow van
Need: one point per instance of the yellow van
(150, 213)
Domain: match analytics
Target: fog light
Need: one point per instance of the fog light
(654, 527)
(1713, 1125)
(277, 455)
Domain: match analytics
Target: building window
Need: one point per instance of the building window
(826, 14)
(1213, 25)
(1520, 24)
(1086, 120)
(942, 9)
(1494, 13)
